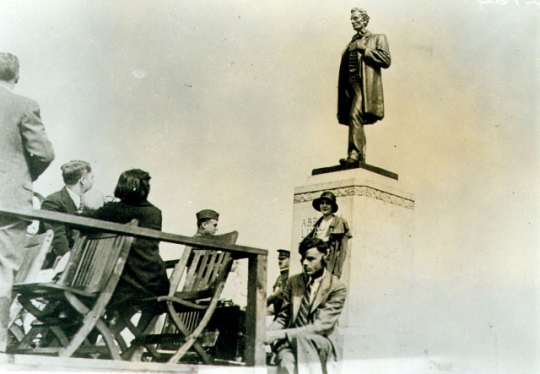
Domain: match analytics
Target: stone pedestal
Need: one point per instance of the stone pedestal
(378, 271)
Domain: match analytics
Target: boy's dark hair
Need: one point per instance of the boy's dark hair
(133, 186)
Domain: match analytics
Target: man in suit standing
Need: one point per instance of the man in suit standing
(302, 333)
(25, 153)
(78, 179)
(360, 91)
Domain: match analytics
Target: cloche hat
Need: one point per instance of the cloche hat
(328, 196)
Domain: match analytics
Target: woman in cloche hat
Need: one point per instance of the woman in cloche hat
(333, 230)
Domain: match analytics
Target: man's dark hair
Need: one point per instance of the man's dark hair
(133, 186)
(309, 243)
(9, 67)
(74, 170)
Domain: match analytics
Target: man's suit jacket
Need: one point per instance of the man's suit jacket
(25, 150)
(325, 309)
(64, 236)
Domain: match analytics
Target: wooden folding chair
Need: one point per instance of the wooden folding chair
(197, 281)
(75, 305)
(36, 248)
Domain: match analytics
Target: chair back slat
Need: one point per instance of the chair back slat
(193, 268)
(213, 262)
(197, 269)
(100, 256)
(197, 274)
(36, 248)
(92, 261)
(85, 264)
(205, 269)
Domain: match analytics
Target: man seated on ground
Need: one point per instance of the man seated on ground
(78, 179)
(301, 335)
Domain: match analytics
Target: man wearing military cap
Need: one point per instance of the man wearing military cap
(207, 222)
(276, 298)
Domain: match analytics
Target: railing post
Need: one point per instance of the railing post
(256, 311)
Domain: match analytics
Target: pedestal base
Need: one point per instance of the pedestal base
(374, 169)
(378, 269)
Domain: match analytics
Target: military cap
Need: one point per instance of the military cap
(285, 252)
(207, 214)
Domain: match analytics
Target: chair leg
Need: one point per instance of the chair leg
(108, 336)
(146, 324)
(185, 347)
(28, 340)
(17, 334)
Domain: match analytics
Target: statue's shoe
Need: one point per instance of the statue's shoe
(349, 161)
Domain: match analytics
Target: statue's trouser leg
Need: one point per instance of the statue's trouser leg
(357, 136)
(12, 234)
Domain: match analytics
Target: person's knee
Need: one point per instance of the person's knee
(286, 359)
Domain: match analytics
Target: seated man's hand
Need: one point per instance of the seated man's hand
(274, 335)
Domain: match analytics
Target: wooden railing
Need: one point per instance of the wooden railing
(256, 292)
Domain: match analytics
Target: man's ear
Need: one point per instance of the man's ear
(324, 259)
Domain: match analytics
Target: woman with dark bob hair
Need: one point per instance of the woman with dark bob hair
(144, 273)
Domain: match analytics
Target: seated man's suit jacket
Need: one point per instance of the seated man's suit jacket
(324, 311)
(64, 236)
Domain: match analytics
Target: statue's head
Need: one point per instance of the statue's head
(359, 19)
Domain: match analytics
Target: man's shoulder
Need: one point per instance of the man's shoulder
(56, 195)
(55, 198)
(19, 99)
(14, 100)
(336, 282)
(296, 279)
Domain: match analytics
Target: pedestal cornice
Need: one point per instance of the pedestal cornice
(358, 190)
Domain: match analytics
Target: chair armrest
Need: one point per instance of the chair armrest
(177, 300)
(170, 263)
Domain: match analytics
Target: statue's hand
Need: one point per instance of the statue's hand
(357, 45)
(361, 47)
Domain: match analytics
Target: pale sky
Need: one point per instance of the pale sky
(230, 104)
